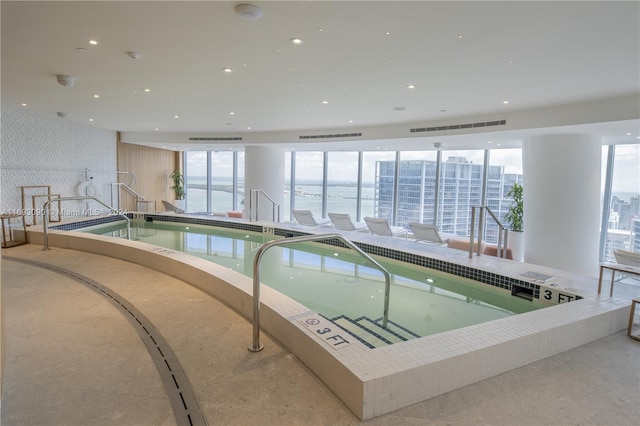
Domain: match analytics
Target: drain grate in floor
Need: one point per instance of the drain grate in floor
(181, 395)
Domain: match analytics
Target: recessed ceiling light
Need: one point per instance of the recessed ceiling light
(460, 36)
(176, 116)
(320, 30)
(93, 42)
(96, 96)
(387, 33)
(24, 104)
(628, 134)
(350, 121)
(156, 129)
(325, 102)
(411, 86)
(227, 70)
(232, 113)
(505, 102)
(91, 119)
(488, 141)
(147, 90)
(297, 40)
(249, 128)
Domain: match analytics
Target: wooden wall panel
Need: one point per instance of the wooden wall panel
(152, 167)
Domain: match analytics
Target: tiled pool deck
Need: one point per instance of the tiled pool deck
(372, 382)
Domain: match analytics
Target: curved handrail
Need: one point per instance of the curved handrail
(256, 346)
(46, 215)
(128, 189)
(132, 177)
(275, 206)
(502, 242)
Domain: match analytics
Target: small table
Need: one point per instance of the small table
(7, 234)
(615, 267)
(631, 314)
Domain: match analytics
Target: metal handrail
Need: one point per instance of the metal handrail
(46, 215)
(256, 346)
(275, 209)
(129, 189)
(501, 245)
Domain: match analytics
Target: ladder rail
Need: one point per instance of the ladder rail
(255, 345)
(255, 193)
(503, 232)
(85, 198)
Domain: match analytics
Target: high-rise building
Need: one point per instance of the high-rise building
(460, 189)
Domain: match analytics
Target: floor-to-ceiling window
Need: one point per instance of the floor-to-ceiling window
(239, 203)
(309, 176)
(461, 175)
(378, 177)
(620, 200)
(285, 210)
(342, 183)
(221, 180)
(413, 197)
(417, 187)
(505, 169)
(196, 181)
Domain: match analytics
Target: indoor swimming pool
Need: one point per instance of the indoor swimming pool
(338, 283)
(492, 302)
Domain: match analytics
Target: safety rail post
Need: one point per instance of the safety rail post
(503, 233)
(46, 215)
(128, 189)
(255, 193)
(256, 346)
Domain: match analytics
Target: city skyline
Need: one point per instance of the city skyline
(344, 165)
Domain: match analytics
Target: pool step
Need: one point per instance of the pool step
(371, 333)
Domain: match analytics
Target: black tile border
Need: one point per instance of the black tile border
(479, 275)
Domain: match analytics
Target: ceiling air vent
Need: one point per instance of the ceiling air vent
(340, 135)
(460, 126)
(216, 139)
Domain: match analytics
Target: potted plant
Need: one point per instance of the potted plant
(178, 187)
(514, 218)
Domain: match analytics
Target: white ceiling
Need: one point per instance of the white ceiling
(464, 58)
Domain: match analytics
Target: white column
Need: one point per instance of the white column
(264, 169)
(562, 201)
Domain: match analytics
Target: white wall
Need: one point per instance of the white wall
(43, 149)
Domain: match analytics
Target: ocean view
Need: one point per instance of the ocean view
(341, 197)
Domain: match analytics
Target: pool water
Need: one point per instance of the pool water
(338, 283)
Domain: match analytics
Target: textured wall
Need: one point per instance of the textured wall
(43, 149)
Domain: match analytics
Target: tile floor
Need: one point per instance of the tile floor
(72, 359)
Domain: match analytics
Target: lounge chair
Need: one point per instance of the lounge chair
(382, 227)
(172, 208)
(626, 257)
(305, 217)
(343, 222)
(429, 233)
